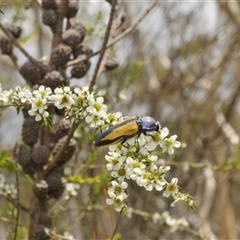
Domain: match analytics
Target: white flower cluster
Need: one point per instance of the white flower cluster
(71, 190)
(68, 236)
(8, 190)
(174, 224)
(131, 160)
(4, 95)
(79, 104)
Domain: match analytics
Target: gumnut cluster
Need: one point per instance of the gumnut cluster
(41, 144)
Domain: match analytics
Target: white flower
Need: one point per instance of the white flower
(115, 161)
(24, 95)
(168, 144)
(63, 97)
(43, 91)
(164, 132)
(68, 236)
(171, 188)
(118, 189)
(159, 185)
(119, 174)
(114, 118)
(114, 198)
(4, 95)
(176, 224)
(96, 119)
(156, 217)
(96, 105)
(7, 189)
(72, 187)
(117, 201)
(131, 165)
(2, 179)
(39, 106)
(11, 190)
(150, 143)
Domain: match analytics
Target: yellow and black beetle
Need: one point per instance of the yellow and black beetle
(126, 129)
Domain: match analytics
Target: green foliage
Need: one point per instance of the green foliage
(22, 232)
(80, 179)
(18, 7)
(134, 72)
(117, 236)
(24, 39)
(2, 4)
(98, 188)
(96, 27)
(6, 161)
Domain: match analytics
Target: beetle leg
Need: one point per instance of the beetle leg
(123, 140)
(138, 147)
(145, 133)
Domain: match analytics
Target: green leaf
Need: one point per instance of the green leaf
(1, 10)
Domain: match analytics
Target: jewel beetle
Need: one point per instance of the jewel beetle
(126, 129)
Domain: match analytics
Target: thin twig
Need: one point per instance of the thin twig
(105, 41)
(16, 43)
(60, 237)
(130, 29)
(119, 37)
(57, 157)
(17, 202)
(116, 227)
(6, 105)
(107, 50)
(57, 32)
(14, 203)
(6, 220)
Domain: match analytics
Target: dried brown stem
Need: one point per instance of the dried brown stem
(105, 41)
(107, 50)
(15, 203)
(17, 44)
(6, 220)
(119, 37)
(57, 37)
(56, 158)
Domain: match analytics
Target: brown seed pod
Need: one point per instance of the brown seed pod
(40, 189)
(23, 155)
(49, 4)
(62, 129)
(56, 182)
(80, 29)
(72, 37)
(111, 64)
(15, 31)
(46, 220)
(30, 131)
(72, 9)
(79, 70)
(40, 155)
(6, 46)
(69, 151)
(31, 73)
(25, 111)
(82, 49)
(54, 79)
(49, 17)
(40, 233)
(61, 55)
